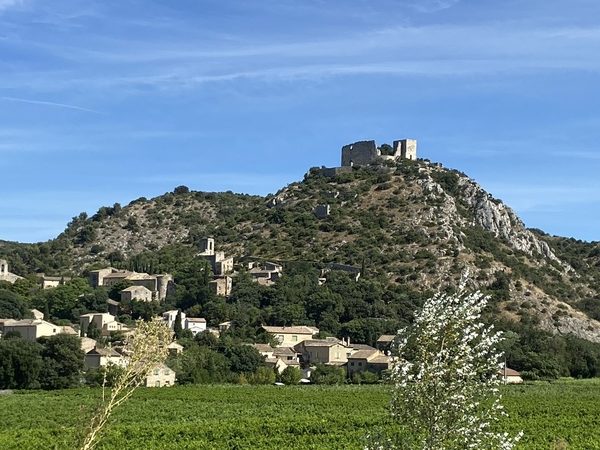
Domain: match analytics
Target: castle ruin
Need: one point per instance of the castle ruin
(364, 153)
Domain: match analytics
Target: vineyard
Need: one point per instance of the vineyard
(553, 416)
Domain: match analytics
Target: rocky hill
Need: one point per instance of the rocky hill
(408, 223)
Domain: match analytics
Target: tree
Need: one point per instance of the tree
(177, 328)
(263, 375)
(180, 190)
(63, 361)
(93, 332)
(446, 380)
(20, 363)
(328, 375)
(12, 305)
(244, 358)
(290, 375)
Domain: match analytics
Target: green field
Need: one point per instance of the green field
(559, 415)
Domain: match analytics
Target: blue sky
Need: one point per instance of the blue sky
(106, 101)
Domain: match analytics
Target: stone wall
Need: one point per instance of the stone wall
(360, 153)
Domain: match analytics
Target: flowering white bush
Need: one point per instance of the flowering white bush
(445, 376)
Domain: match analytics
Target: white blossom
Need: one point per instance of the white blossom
(445, 377)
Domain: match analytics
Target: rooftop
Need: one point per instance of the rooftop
(291, 330)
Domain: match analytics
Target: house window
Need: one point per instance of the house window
(295, 338)
(157, 384)
(359, 364)
(156, 371)
(352, 364)
(280, 338)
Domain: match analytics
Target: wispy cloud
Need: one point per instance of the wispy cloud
(47, 103)
(434, 51)
(7, 4)
(431, 6)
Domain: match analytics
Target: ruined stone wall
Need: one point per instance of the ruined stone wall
(360, 153)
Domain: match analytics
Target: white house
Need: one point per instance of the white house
(195, 325)
(170, 316)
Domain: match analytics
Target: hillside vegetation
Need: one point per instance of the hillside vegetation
(413, 225)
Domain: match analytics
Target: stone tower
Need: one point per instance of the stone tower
(3, 268)
(207, 246)
(405, 149)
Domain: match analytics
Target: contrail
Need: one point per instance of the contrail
(58, 105)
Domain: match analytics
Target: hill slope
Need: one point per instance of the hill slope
(414, 224)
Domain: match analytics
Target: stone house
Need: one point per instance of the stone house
(87, 344)
(323, 351)
(114, 307)
(278, 358)
(160, 376)
(175, 348)
(30, 329)
(385, 341)
(139, 293)
(104, 322)
(221, 285)
(102, 357)
(265, 273)
(5, 275)
(368, 360)
(160, 285)
(290, 336)
(52, 282)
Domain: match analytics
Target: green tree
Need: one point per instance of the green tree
(93, 332)
(263, 375)
(20, 363)
(324, 374)
(243, 358)
(62, 361)
(291, 375)
(177, 327)
(12, 305)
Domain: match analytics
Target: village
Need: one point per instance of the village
(301, 347)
